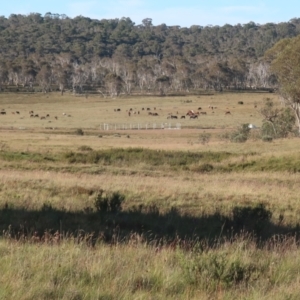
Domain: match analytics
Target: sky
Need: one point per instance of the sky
(184, 13)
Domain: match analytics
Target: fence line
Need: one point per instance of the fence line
(139, 126)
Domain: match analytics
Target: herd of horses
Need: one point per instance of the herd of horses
(192, 114)
(32, 114)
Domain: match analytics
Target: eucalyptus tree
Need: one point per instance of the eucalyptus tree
(113, 84)
(285, 63)
(44, 78)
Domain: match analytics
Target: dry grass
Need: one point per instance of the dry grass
(191, 193)
(136, 269)
(92, 112)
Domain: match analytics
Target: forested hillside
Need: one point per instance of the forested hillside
(42, 53)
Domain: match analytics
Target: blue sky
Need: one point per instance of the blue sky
(184, 13)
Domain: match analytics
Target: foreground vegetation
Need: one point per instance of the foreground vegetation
(72, 270)
(164, 214)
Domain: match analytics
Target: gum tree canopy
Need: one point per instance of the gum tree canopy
(285, 64)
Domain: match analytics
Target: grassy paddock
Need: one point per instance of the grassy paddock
(90, 113)
(199, 221)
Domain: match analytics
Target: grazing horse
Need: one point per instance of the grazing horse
(182, 117)
(190, 113)
(193, 116)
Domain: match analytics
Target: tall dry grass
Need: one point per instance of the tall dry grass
(137, 271)
(39, 181)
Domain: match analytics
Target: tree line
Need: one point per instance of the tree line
(117, 56)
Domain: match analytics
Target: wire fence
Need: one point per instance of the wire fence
(140, 126)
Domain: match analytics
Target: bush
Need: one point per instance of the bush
(241, 102)
(239, 138)
(79, 131)
(241, 135)
(204, 168)
(85, 148)
(204, 138)
(277, 123)
(109, 202)
(210, 271)
(267, 138)
(224, 136)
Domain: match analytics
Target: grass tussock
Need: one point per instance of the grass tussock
(74, 270)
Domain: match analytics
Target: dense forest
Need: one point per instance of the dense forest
(55, 52)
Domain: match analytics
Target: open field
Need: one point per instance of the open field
(213, 220)
(91, 112)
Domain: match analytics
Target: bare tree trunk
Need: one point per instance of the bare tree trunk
(296, 108)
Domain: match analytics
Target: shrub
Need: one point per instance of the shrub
(204, 138)
(85, 148)
(224, 136)
(115, 201)
(239, 138)
(267, 138)
(204, 168)
(241, 135)
(47, 206)
(241, 102)
(212, 270)
(109, 202)
(79, 131)
(277, 123)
